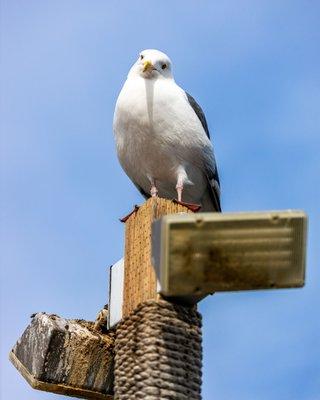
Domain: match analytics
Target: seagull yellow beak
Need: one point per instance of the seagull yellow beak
(147, 66)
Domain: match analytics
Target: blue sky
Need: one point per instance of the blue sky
(254, 68)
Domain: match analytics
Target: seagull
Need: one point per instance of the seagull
(162, 136)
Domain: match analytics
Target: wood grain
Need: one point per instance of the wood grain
(139, 277)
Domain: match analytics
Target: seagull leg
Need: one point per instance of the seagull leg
(179, 192)
(182, 178)
(179, 186)
(153, 190)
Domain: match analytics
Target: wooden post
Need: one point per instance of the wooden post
(158, 351)
(140, 283)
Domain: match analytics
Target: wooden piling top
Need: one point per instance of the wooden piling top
(140, 283)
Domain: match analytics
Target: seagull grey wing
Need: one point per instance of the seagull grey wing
(214, 191)
(200, 114)
(213, 183)
(210, 163)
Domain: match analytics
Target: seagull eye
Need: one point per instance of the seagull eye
(164, 66)
(141, 57)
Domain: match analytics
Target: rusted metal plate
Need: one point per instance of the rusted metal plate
(65, 357)
(198, 254)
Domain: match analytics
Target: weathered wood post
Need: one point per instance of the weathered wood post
(158, 353)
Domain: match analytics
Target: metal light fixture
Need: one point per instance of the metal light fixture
(198, 254)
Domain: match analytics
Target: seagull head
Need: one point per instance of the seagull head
(152, 64)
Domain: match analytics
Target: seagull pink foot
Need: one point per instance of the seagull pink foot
(190, 206)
